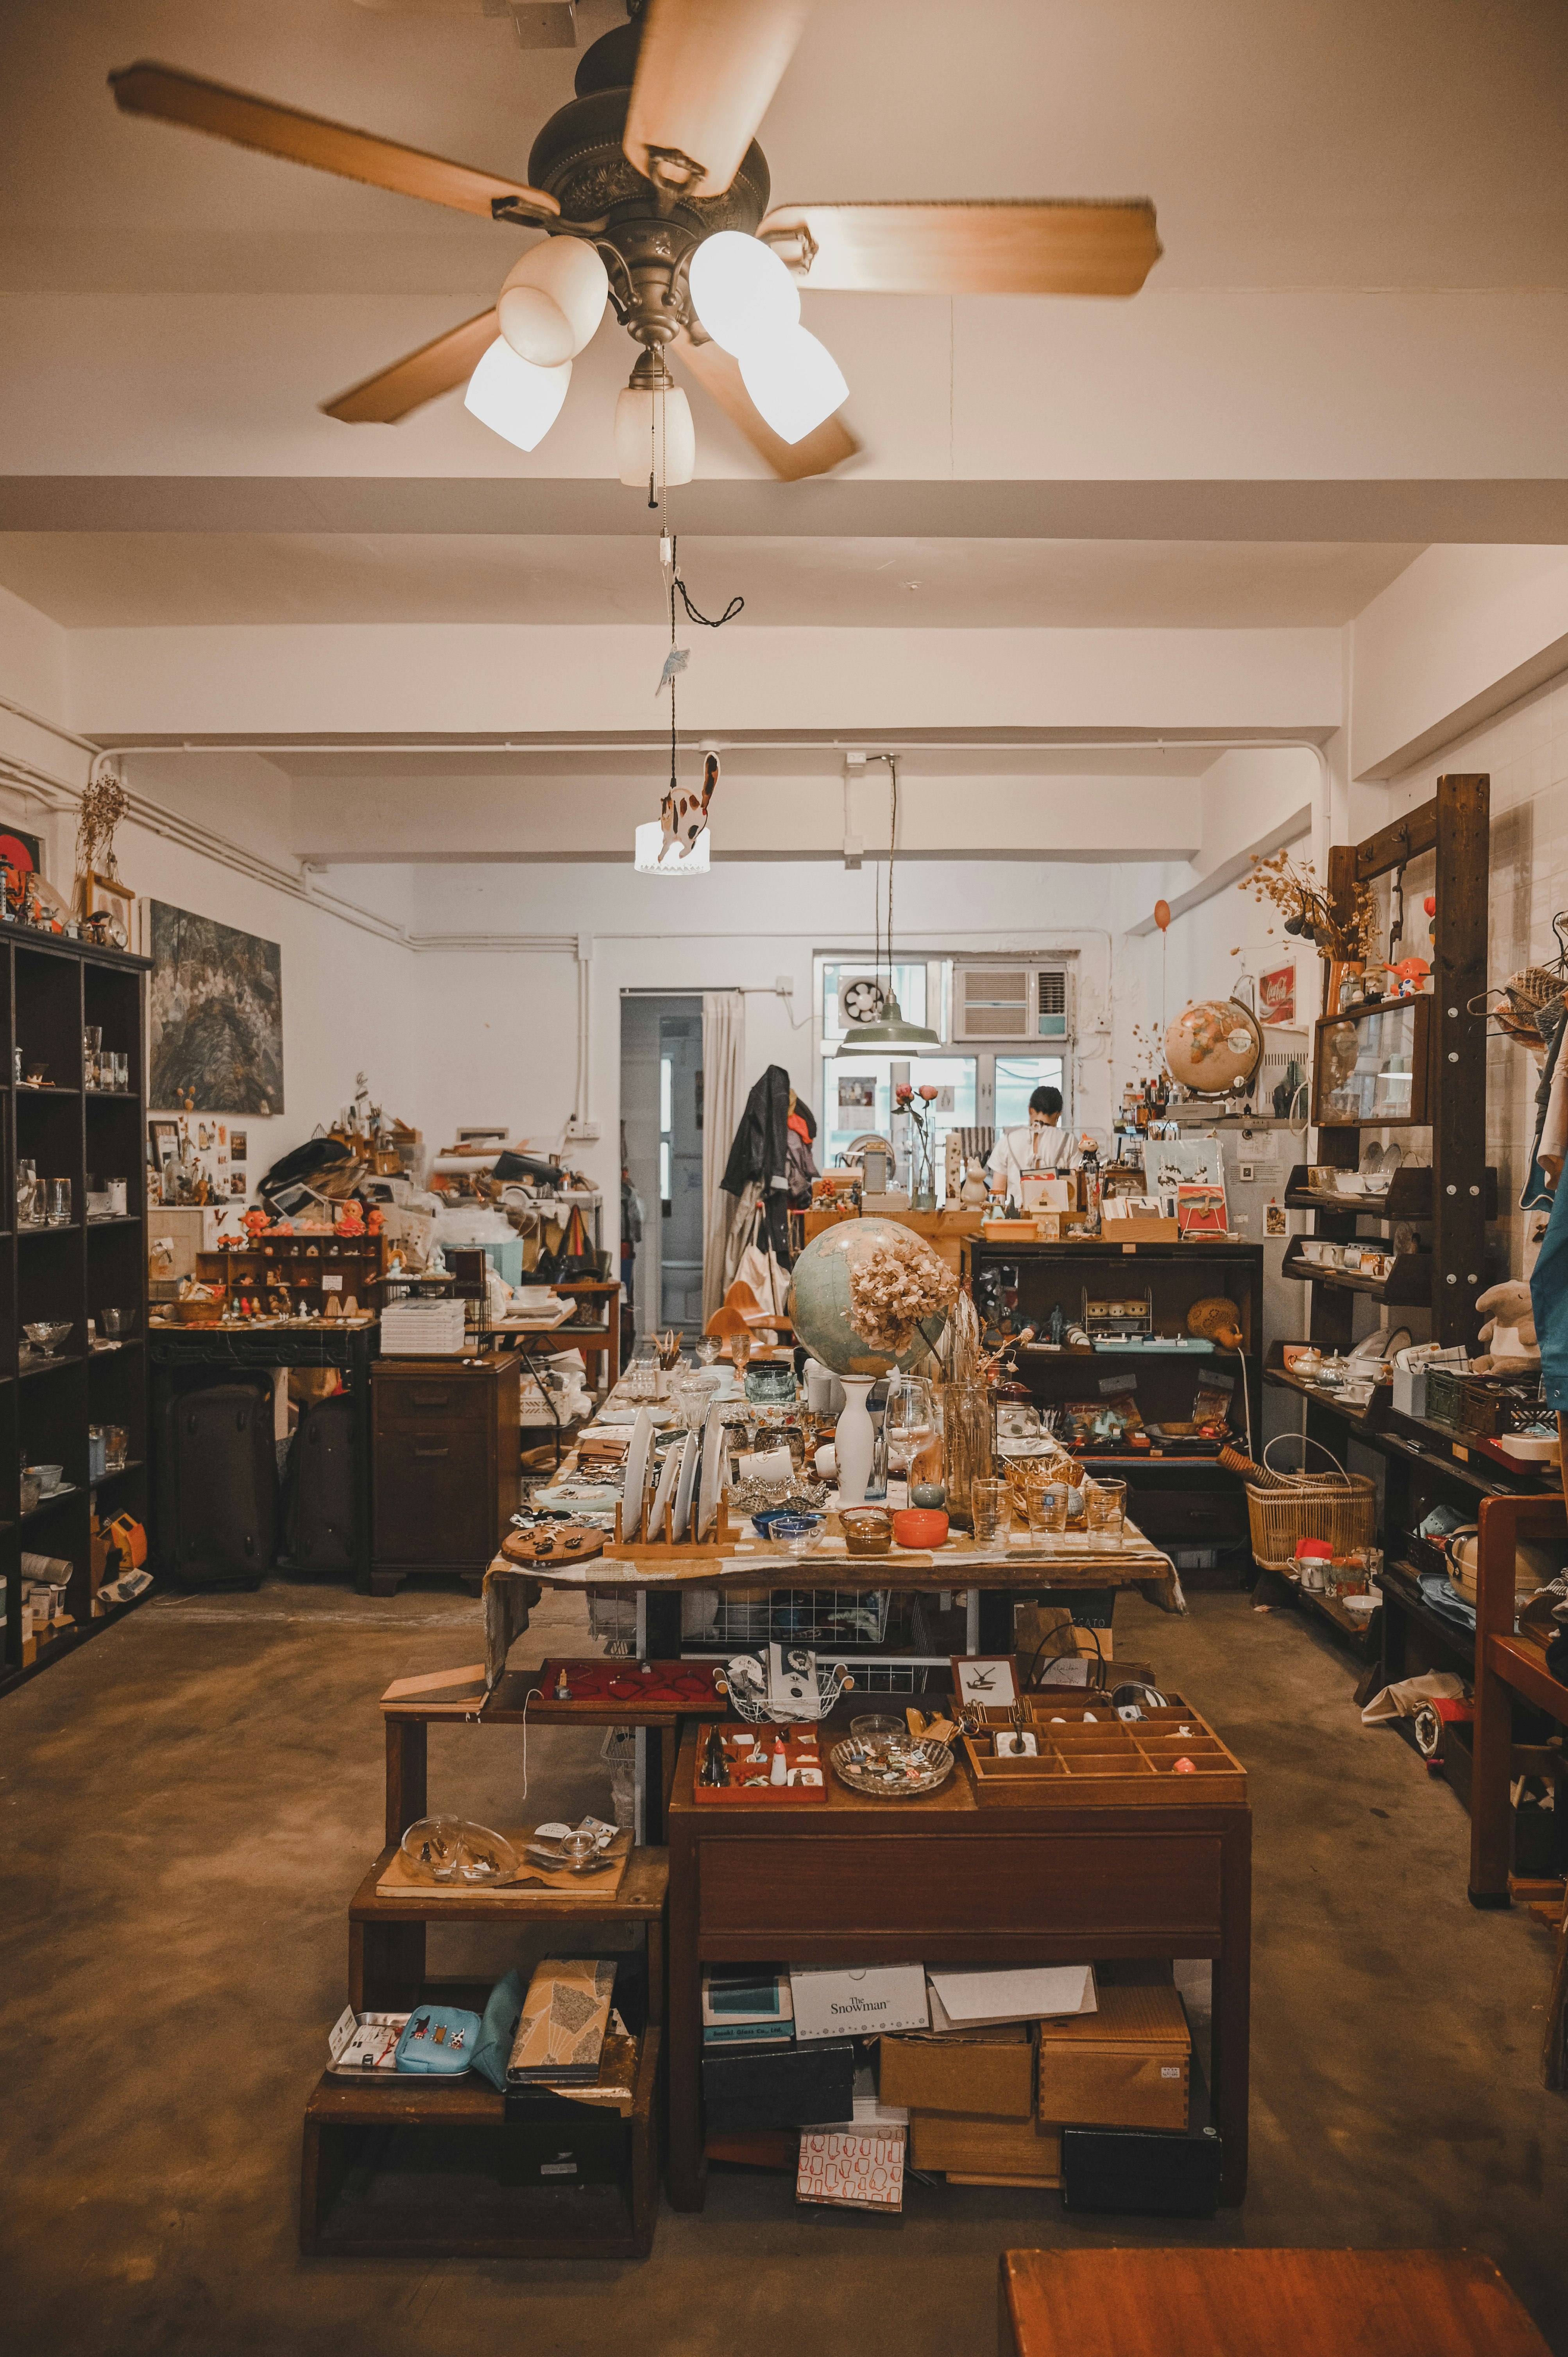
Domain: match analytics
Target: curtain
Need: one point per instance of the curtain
(723, 1097)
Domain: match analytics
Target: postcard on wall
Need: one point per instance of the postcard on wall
(1200, 1210)
(856, 1095)
(1276, 995)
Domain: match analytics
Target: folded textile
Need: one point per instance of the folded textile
(1404, 1699)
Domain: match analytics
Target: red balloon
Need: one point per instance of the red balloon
(1430, 904)
(1162, 914)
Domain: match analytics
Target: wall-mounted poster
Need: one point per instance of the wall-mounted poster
(1276, 995)
(23, 853)
(856, 1095)
(217, 1016)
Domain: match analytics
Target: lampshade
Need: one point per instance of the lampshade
(551, 302)
(649, 842)
(794, 380)
(654, 436)
(889, 1034)
(741, 290)
(515, 399)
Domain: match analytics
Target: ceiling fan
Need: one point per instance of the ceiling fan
(653, 194)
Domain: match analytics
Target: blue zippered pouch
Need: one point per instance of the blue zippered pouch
(438, 2042)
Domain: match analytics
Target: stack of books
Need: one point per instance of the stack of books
(565, 2019)
(420, 1330)
(748, 2005)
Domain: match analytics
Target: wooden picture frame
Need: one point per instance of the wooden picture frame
(106, 896)
(984, 1681)
(164, 1139)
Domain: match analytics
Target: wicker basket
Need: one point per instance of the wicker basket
(1336, 1506)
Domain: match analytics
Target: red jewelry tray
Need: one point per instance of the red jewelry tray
(667, 1686)
(737, 1794)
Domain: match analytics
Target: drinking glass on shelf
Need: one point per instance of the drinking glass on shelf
(27, 1215)
(990, 1510)
(1106, 1510)
(91, 1047)
(1047, 1505)
(121, 1078)
(906, 1421)
(59, 1203)
(116, 1444)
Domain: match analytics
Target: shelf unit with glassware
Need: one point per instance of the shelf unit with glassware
(66, 1271)
(1451, 1200)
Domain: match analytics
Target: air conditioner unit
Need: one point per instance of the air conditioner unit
(1013, 1004)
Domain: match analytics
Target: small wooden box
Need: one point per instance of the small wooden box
(1126, 2066)
(1093, 1759)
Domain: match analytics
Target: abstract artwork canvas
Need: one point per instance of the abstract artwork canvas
(217, 1016)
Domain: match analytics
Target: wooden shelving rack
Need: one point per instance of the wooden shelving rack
(52, 988)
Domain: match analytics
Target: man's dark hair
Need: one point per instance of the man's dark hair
(1048, 1100)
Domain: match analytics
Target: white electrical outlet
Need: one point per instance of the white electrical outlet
(583, 1132)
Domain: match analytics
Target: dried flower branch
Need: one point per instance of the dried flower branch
(894, 1288)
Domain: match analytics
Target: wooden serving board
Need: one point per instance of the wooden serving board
(1092, 1760)
(554, 1542)
(397, 1882)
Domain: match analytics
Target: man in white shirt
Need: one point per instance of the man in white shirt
(1042, 1146)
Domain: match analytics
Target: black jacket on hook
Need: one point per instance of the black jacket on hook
(760, 1156)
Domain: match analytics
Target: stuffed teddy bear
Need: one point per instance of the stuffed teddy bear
(1510, 1332)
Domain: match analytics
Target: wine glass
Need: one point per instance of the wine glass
(907, 1421)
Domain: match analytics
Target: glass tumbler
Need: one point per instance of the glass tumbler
(990, 1510)
(1106, 1510)
(1048, 1509)
(92, 1047)
(59, 1203)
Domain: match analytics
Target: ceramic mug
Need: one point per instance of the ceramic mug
(117, 1196)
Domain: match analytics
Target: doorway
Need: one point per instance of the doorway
(661, 1123)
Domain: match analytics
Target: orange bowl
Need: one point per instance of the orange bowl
(920, 1526)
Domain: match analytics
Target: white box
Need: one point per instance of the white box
(858, 2000)
(975, 1997)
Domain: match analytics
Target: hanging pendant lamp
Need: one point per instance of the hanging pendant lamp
(890, 1034)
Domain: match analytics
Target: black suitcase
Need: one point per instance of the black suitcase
(1147, 2172)
(218, 1484)
(318, 1518)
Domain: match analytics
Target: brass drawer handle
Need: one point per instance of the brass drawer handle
(431, 1452)
(430, 1399)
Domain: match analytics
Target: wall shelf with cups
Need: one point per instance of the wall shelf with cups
(1402, 1279)
(1408, 1195)
(72, 1272)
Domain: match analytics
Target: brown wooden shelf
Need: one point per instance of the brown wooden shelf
(641, 1899)
(1407, 1284)
(1409, 1196)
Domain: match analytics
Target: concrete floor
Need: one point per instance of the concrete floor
(190, 1800)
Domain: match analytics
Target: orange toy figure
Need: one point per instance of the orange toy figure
(254, 1222)
(350, 1221)
(1410, 973)
(375, 1220)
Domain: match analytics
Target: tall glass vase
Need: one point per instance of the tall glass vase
(966, 1440)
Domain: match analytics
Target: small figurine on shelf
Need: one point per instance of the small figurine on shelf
(350, 1220)
(254, 1222)
(375, 1220)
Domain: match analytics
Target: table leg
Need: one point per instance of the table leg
(1232, 2012)
(687, 2173)
(1491, 1828)
(992, 1623)
(406, 1752)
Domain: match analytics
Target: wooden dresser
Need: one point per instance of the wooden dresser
(445, 1468)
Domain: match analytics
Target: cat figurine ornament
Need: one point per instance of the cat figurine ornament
(684, 815)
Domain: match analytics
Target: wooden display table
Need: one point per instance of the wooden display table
(1114, 2303)
(863, 1882)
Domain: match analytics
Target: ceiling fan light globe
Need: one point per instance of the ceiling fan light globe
(794, 380)
(741, 290)
(552, 300)
(513, 398)
(654, 438)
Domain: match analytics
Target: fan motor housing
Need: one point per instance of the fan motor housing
(579, 160)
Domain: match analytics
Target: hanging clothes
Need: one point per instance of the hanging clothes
(759, 1158)
(800, 1168)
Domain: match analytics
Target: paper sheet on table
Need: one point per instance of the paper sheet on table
(1011, 1993)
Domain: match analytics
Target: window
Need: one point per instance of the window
(964, 1000)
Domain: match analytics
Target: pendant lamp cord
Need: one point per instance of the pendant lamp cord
(892, 761)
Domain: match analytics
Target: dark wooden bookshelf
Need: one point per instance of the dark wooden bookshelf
(52, 989)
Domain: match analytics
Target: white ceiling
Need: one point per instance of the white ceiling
(106, 579)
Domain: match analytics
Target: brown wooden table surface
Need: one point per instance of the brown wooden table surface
(1188, 2303)
(859, 1880)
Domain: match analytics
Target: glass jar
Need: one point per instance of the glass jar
(771, 1382)
(966, 1440)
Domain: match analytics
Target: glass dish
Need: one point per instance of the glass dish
(454, 1849)
(867, 1530)
(893, 1767)
(771, 1382)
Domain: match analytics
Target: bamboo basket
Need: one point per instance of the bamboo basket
(1338, 1507)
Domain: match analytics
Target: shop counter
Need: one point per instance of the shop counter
(942, 1879)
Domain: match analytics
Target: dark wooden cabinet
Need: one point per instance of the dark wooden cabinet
(445, 1464)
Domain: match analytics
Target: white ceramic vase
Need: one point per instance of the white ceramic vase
(855, 1440)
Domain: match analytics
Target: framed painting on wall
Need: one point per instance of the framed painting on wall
(216, 1016)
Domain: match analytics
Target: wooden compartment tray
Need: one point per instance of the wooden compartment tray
(1102, 1762)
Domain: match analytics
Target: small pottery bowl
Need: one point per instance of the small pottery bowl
(927, 1494)
(920, 1526)
(867, 1530)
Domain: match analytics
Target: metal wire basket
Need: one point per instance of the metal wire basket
(818, 1617)
(749, 1697)
(613, 1619)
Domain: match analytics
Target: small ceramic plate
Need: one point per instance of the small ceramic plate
(636, 1471)
(685, 1486)
(665, 1491)
(714, 1450)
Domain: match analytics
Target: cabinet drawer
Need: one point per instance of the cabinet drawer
(434, 1495)
(433, 1401)
(1081, 1888)
(1189, 1513)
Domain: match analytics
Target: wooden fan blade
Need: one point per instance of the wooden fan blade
(718, 372)
(434, 368)
(1037, 246)
(705, 73)
(173, 97)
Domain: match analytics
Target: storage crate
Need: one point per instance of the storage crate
(613, 1618)
(1446, 1394)
(821, 1617)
